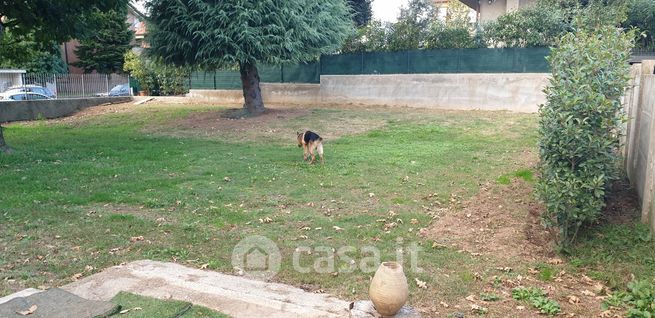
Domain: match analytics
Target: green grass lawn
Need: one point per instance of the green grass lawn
(135, 306)
(81, 195)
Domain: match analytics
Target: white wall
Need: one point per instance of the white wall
(9, 79)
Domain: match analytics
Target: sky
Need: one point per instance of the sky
(385, 10)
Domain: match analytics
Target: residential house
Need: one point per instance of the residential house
(490, 10)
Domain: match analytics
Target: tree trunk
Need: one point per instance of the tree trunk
(3, 146)
(252, 94)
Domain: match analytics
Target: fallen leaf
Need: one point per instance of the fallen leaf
(555, 261)
(136, 238)
(422, 284)
(227, 179)
(444, 304)
(29, 311)
(204, 266)
(437, 245)
(573, 299)
(125, 311)
(370, 195)
(588, 293)
(471, 298)
(413, 221)
(336, 228)
(587, 279)
(77, 276)
(479, 309)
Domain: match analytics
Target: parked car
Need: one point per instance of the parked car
(31, 88)
(120, 90)
(11, 96)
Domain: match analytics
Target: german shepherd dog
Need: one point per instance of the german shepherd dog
(310, 142)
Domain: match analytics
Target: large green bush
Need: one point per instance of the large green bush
(156, 77)
(580, 125)
(535, 26)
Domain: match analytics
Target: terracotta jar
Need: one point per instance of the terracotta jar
(388, 290)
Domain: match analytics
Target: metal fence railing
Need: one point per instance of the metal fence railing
(77, 85)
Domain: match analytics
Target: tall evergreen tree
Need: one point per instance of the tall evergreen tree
(103, 49)
(362, 13)
(214, 34)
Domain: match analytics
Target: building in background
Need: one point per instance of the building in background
(490, 10)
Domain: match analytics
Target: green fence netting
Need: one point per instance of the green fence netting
(515, 60)
(510, 60)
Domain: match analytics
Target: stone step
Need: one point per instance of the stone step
(232, 295)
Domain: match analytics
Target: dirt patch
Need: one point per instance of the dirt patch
(95, 111)
(502, 225)
(498, 221)
(276, 124)
(622, 204)
(220, 122)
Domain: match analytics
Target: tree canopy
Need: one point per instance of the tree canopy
(103, 49)
(51, 20)
(214, 34)
(23, 52)
(362, 13)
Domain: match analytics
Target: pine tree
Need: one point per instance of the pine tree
(362, 13)
(215, 34)
(103, 49)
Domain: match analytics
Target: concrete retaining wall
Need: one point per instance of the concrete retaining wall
(639, 143)
(275, 93)
(513, 92)
(31, 110)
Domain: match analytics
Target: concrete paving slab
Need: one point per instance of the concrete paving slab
(22, 293)
(56, 303)
(232, 295)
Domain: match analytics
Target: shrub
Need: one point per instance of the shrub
(536, 26)
(155, 76)
(580, 125)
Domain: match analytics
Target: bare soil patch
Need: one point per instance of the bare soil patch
(502, 223)
(499, 221)
(622, 204)
(275, 124)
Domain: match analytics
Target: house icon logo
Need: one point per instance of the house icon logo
(257, 256)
